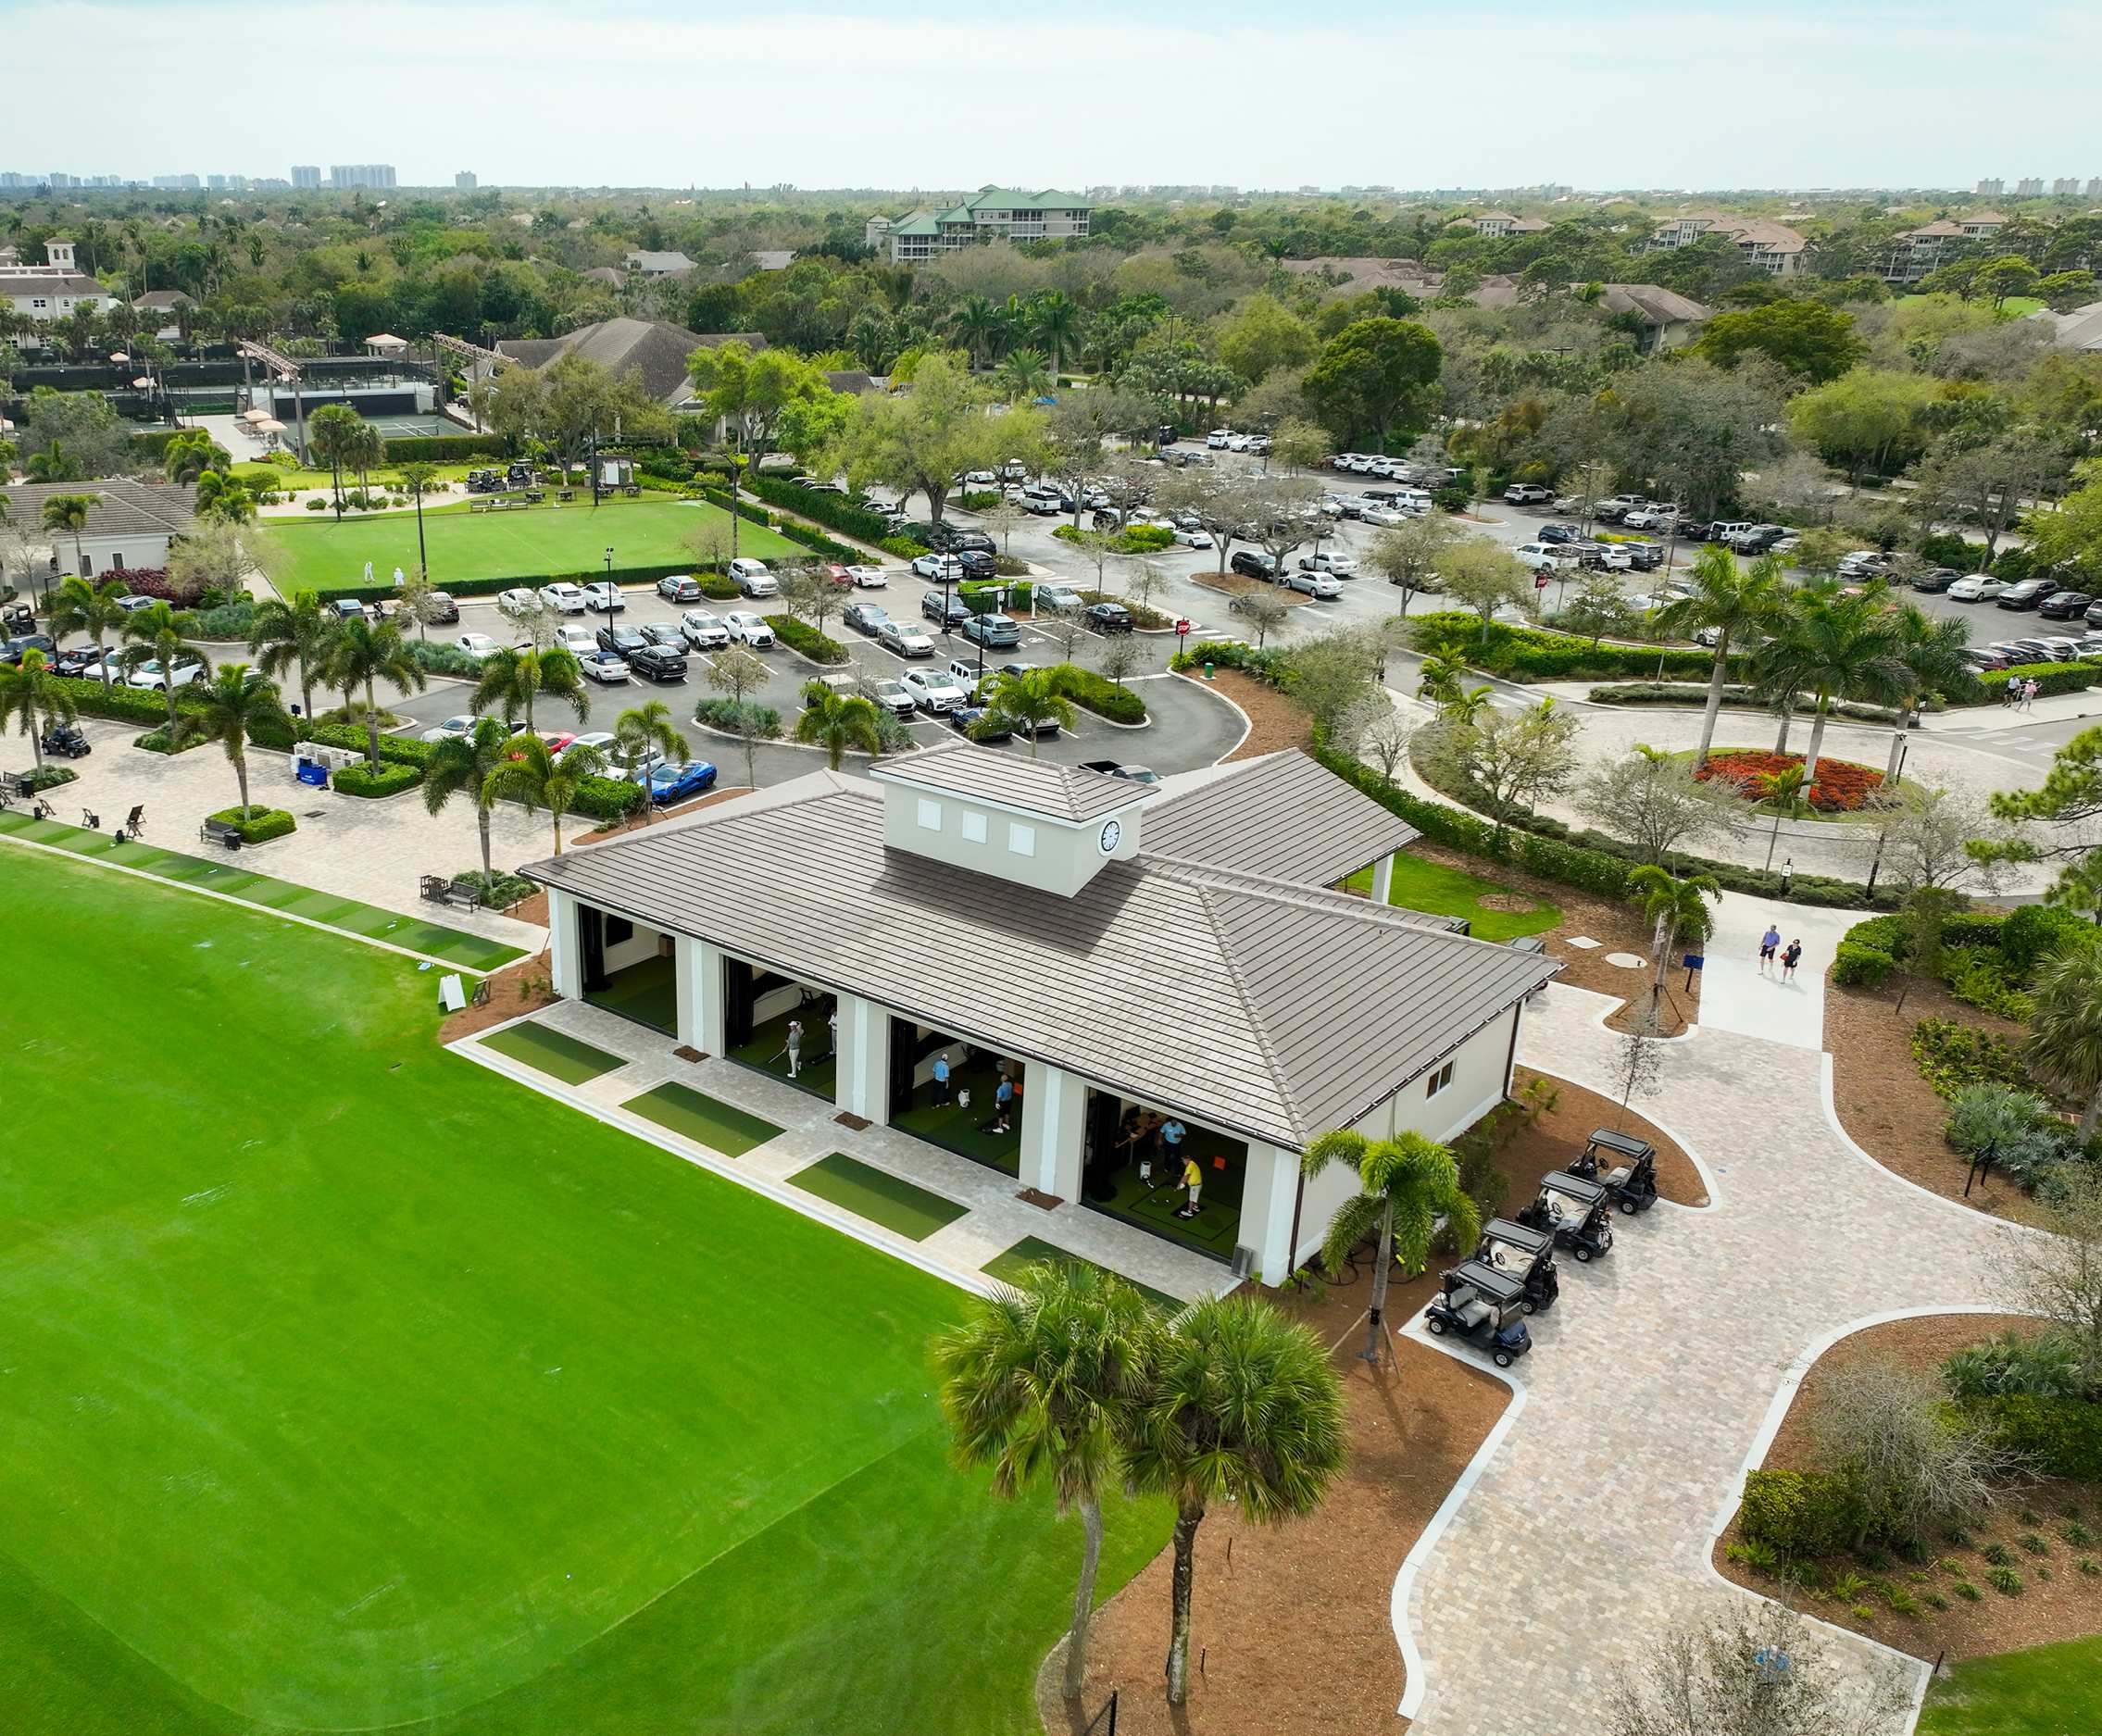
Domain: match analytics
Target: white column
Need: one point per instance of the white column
(1268, 1198)
(863, 1077)
(1054, 1111)
(564, 953)
(1383, 879)
(700, 993)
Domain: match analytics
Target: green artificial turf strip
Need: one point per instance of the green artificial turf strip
(2043, 1691)
(376, 1390)
(1439, 890)
(1009, 1265)
(552, 1051)
(540, 541)
(878, 1196)
(718, 1125)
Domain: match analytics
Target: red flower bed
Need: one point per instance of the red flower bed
(1841, 786)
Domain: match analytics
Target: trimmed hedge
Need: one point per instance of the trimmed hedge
(1734, 697)
(121, 703)
(446, 448)
(2050, 678)
(49, 777)
(816, 540)
(2062, 1436)
(1101, 696)
(728, 714)
(971, 591)
(799, 635)
(490, 586)
(742, 507)
(1802, 1513)
(608, 798)
(821, 507)
(259, 824)
(1529, 654)
(392, 779)
(438, 658)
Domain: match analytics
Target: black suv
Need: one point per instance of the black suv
(656, 663)
(1643, 556)
(1109, 618)
(439, 610)
(1253, 564)
(931, 605)
(1936, 578)
(948, 539)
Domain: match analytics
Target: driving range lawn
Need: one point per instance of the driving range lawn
(531, 543)
(1432, 887)
(2046, 1690)
(350, 1384)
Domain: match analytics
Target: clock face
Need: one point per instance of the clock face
(1111, 831)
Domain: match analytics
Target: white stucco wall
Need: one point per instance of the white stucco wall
(864, 1072)
(1054, 1108)
(643, 944)
(564, 967)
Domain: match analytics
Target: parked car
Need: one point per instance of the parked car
(1056, 595)
(1111, 768)
(1978, 587)
(1756, 539)
(2094, 614)
(865, 617)
(703, 630)
(1641, 557)
(933, 690)
(1382, 516)
(439, 609)
(980, 724)
(996, 632)
(1861, 563)
(753, 577)
(75, 660)
(605, 598)
(680, 782)
(906, 638)
(151, 674)
(1253, 564)
(937, 566)
(1110, 618)
(1526, 493)
(1983, 660)
(519, 603)
(1218, 438)
(892, 696)
(1340, 565)
(622, 641)
(943, 608)
(460, 725)
(2063, 606)
(2028, 593)
(559, 741)
(1935, 578)
(564, 598)
(1192, 539)
(747, 629)
(658, 663)
(1542, 556)
(1319, 585)
(604, 667)
(479, 646)
(344, 608)
(867, 577)
(1651, 518)
(1554, 533)
(680, 587)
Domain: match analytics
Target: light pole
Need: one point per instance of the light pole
(610, 564)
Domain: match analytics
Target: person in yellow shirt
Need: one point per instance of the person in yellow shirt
(1193, 1181)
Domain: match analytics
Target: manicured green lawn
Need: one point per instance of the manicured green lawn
(876, 1194)
(2046, 1690)
(541, 540)
(1440, 890)
(554, 1053)
(349, 1384)
(720, 1126)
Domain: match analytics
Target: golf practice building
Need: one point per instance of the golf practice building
(1109, 989)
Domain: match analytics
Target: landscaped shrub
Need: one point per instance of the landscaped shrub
(1733, 696)
(904, 547)
(1802, 1513)
(2033, 934)
(1104, 697)
(2060, 1437)
(49, 777)
(1841, 787)
(608, 798)
(1952, 1057)
(817, 541)
(728, 714)
(228, 621)
(2016, 1128)
(258, 824)
(1981, 976)
(823, 507)
(1527, 654)
(2043, 1364)
(442, 660)
(799, 635)
(1855, 966)
(158, 742)
(2050, 678)
(125, 705)
(499, 891)
(392, 779)
(981, 595)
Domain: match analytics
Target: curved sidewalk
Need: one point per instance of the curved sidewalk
(1591, 1524)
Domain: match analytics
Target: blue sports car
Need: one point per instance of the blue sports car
(677, 784)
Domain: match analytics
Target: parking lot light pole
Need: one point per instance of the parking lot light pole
(610, 564)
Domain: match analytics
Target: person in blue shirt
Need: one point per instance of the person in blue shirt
(941, 1076)
(1172, 1133)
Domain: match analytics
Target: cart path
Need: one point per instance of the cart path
(1593, 1520)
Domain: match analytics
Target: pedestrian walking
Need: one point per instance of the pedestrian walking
(1193, 1183)
(1770, 943)
(2012, 692)
(794, 1046)
(1790, 959)
(2029, 693)
(941, 1076)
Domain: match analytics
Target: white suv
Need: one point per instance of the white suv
(933, 690)
(1526, 494)
(752, 577)
(1539, 556)
(564, 598)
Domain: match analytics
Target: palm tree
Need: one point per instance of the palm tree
(977, 321)
(80, 605)
(1038, 1384)
(299, 634)
(227, 709)
(1777, 787)
(836, 722)
(1833, 646)
(364, 448)
(1438, 679)
(416, 477)
(363, 656)
(38, 699)
(517, 675)
(53, 464)
(69, 513)
(1675, 908)
(331, 435)
(1731, 601)
(153, 633)
(641, 728)
(1055, 320)
(1024, 377)
(1033, 698)
(224, 495)
(1467, 709)
(1408, 1183)
(2065, 1040)
(465, 763)
(1930, 650)
(1241, 1406)
(532, 774)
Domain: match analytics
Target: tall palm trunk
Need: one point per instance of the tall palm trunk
(371, 724)
(36, 740)
(168, 689)
(557, 815)
(1084, 1595)
(1787, 717)
(1817, 741)
(482, 825)
(1375, 1321)
(102, 661)
(1716, 678)
(2089, 1117)
(1186, 1523)
(240, 778)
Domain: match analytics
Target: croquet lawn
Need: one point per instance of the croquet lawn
(531, 543)
(348, 1384)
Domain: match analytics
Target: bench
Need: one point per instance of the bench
(14, 785)
(456, 894)
(567, 494)
(219, 831)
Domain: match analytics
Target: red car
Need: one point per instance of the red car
(839, 575)
(557, 740)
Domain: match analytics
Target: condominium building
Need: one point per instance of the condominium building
(2029, 187)
(165, 183)
(1775, 248)
(305, 177)
(990, 214)
(1991, 188)
(1501, 223)
(54, 289)
(466, 181)
(379, 176)
(1918, 251)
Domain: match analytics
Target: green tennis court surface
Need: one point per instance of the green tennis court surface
(552, 1051)
(349, 1386)
(720, 1126)
(878, 1196)
(532, 542)
(470, 952)
(1009, 1265)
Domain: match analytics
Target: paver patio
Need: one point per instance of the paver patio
(1591, 1521)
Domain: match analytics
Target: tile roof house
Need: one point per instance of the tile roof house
(645, 262)
(55, 290)
(1119, 948)
(990, 214)
(1775, 248)
(129, 525)
(2079, 330)
(1918, 251)
(655, 348)
(1504, 223)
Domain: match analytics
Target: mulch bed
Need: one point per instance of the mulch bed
(1277, 722)
(516, 990)
(1238, 585)
(1889, 1110)
(2065, 1607)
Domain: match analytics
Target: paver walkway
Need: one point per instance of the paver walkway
(1591, 1524)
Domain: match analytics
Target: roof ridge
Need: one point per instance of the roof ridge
(1257, 1024)
(1278, 890)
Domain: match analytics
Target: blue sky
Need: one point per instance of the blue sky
(941, 93)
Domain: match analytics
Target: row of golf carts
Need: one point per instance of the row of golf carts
(1511, 1274)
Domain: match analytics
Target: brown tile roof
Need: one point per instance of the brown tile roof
(121, 508)
(1283, 814)
(655, 349)
(1040, 786)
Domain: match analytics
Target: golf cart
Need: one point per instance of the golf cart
(1633, 1179)
(1575, 1211)
(66, 740)
(1525, 1255)
(1485, 1307)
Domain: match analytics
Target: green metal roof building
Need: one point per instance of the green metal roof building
(990, 214)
